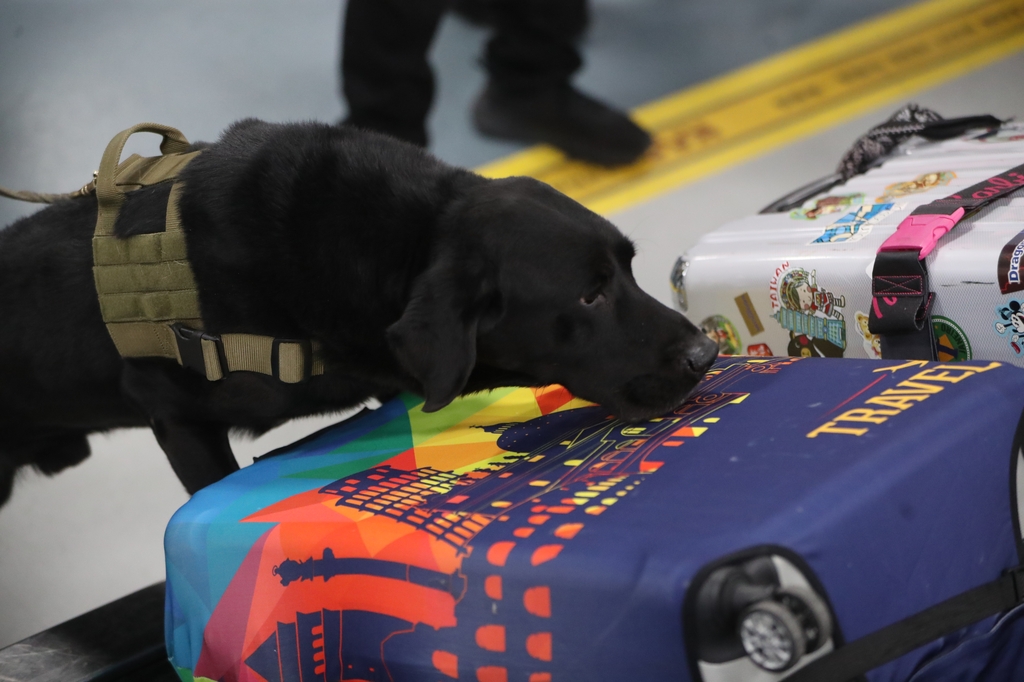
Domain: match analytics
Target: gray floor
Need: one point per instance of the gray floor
(74, 73)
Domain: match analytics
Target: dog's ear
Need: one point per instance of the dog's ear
(435, 339)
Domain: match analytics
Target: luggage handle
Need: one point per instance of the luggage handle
(109, 196)
(909, 121)
(797, 197)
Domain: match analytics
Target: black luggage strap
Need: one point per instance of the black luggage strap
(902, 637)
(900, 298)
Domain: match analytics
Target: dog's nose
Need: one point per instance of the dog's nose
(703, 355)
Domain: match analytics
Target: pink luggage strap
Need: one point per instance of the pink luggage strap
(901, 301)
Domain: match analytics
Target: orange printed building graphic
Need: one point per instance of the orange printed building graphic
(435, 559)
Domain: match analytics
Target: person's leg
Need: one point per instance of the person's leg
(529, 98)
(534, 45)
(385, 76)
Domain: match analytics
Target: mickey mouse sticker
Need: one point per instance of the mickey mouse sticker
(1011, 323)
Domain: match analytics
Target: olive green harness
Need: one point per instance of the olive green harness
(146, 288)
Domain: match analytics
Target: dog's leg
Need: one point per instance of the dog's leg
(189, 428)
(199, 453)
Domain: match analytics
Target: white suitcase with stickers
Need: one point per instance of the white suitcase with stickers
(799, 281)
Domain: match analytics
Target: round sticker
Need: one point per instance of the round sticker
(951, 343)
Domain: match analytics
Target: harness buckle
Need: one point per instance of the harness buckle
(305, 351)
(193, 355)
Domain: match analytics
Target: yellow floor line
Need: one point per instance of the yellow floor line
(786, 97)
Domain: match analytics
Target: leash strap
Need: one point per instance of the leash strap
(900, 298)
(902, 637)
(45, 198)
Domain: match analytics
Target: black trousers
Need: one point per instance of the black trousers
(388, 83)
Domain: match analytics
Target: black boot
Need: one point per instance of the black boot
(385, 76)
(561, 116)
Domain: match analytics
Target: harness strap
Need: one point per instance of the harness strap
(290, 361)
(145, 284)
(147, 292)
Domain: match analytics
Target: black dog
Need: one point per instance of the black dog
(412, 274)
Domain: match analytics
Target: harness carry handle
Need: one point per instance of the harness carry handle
(109, 196)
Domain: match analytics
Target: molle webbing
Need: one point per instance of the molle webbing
(147, 292)
(144, 282)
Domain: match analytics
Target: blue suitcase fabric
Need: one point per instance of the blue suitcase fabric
(525, 535)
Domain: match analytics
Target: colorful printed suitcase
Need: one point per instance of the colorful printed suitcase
(799, 282)
(789, 517)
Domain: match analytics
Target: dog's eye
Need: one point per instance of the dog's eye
(592, 299)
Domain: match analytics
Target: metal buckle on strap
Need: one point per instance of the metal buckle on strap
(190, 350)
